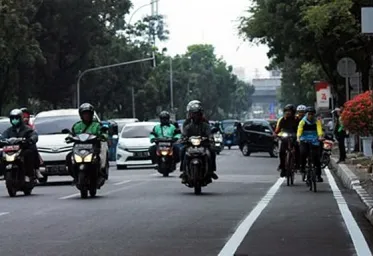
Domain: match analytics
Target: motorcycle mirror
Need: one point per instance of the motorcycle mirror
(65, 131)
(214, 130)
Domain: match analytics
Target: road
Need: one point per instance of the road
(248, 211)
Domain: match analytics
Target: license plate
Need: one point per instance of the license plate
(164, 144)
(83, 146)
(141, 154)
(55, 168)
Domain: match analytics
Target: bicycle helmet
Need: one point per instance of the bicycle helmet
(311, 110)
(289, 107)
(301, 108)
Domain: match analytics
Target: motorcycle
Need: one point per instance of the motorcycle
(86, 160)
(326, 150)
(14, 173)
(197, 166)
(218, 145)
(165, 158)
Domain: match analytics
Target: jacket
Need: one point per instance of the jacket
(93, 128)
(310, 130)
(197, 129)
(189, 121)
(165, 131)
(288, 125)
(22, 132)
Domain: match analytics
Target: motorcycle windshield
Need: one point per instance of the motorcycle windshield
(85, 137)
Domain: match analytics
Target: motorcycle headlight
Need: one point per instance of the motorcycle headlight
(78, 159)
(284, 135)
(88, 158)
(164, 153)
(10, 158)
(195, 142)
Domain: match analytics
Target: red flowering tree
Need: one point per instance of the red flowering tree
(357, 114)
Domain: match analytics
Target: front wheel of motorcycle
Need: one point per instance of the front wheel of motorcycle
(12, 191)
(83, 193)
(27, 191)
(197, 189)
(93, 192)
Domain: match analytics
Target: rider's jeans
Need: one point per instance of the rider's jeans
(304, 152)
(103, 154)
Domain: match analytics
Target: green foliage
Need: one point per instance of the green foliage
(317, 32)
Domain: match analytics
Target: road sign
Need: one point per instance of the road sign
(346, 67)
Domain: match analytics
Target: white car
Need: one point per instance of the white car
(133, 145)
(51, 145)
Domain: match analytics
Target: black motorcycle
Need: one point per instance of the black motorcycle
(14, 172)
(197, 164)
(165, 157)
(86, 163)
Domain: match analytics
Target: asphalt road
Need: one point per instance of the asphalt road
(248, 211)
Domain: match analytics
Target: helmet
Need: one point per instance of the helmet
(25, 111)
(164, 114)
(311, 110)
(301, 108)
(15, 117)
(289, 107)
(195, 108)
(193, 102)
(86, 107)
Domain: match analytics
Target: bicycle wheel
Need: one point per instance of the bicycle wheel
(288, 167)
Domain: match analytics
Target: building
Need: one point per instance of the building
(240, 73)
(265, 95)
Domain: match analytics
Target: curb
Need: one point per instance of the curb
(351, 181)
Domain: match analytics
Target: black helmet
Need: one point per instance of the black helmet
(25, 110)
(15, 117)
(164, 115)
(311, 110)
(193, 102)
(290, 107)
(86, 107)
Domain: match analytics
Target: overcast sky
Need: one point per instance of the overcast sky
(208, 21)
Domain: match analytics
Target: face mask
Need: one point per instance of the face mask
(15, 121)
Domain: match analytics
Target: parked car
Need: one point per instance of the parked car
(133, 145)
(51, 145)
(258, 138)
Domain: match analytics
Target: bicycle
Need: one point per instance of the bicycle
(310, 166)
(290, 162)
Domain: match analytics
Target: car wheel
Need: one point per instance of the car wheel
(121, 167)
(245, 150)
(274, 151)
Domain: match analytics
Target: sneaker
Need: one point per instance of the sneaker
(283, 173)
(38, 174)
(183, 178)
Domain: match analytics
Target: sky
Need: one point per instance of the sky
(208, 22)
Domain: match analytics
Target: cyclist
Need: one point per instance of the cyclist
(301, 112)
(310, 131)
(287, 124)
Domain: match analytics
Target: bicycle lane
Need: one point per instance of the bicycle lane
(296, 221)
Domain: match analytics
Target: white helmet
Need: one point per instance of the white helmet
(193, 102)
(302, 108)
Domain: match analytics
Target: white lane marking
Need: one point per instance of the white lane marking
(122, 182)
(70, 196)
(357, 237)
(236, 239)
(3, 213)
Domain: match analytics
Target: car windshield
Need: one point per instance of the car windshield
(54, 124)
(137, 131)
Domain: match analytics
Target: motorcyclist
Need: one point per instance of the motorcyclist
(287, 124)
(197, 127)
(164, 130)
(188, 120)
(310, 130)
(26, 119)
(89, 124)
(20, 130)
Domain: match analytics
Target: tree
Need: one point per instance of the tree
(319, 32)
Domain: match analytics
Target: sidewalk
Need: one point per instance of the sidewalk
(355, 176)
